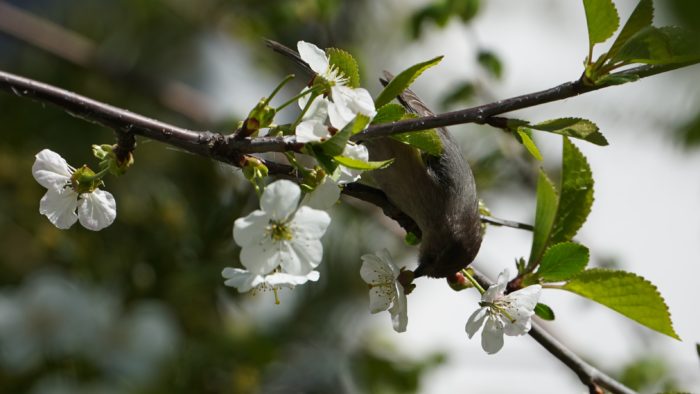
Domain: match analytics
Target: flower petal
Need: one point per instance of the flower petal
(280, 199)
(362, 103)
(97, 210)
(357, 152)
(309, 223)
(340, 110)
(380, 298)
(263, 256)
(496, 290)
(399, 310)
(281, 279)
(311, 131)
(51, 170)
(475, 321)
(527, 297)
(59, 207)
(324, 196)
(492, 336)
(250, 229)
(241, 279)
(304, 257)
(375, 270)
(314, 56)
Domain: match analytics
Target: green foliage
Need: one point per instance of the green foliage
(544, 312)
(346, 64)
(523, 136)
(544, 217)
(576, 194)
(582, 129)
(627, 293)
(602, 20)
(665, 45)
(356, 164)
(389, 376)
(335, 145)
(402, 81)
(491, 63)
(388, 113)
(641, 17)
(461, 93)
(427, 141)
(649, 374)
(562, 261)
(439, 12)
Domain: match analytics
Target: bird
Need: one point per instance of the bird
(437, 192)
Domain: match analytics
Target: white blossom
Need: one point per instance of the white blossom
(96, 209)
(504, 314)
(245, 281)
(345, 102)
(324, 196)
(357, 152)
(385, 292)
(281, 234)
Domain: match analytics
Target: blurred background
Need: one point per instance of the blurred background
(141, 308)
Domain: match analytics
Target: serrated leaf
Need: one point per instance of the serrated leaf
(402, 81)
(545, 212)
(562, 261)
(602, 20)
(427, 141)
(626, 293)
(388, 113)
(576, 194)
(491, 63)
(356, 164)
(528, 143)
(544, 312)
(666, 45)
(335, 145)
(642, 16)
(346, 64)
(582, 129)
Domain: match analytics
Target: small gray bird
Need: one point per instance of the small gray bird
(437, 192)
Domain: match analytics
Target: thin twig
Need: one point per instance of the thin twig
(506, 223)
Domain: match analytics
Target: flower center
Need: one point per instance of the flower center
(499, 308)
(279, 231)
(84, 180)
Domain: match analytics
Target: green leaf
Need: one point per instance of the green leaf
(461, 93)
(547, 201)
(324, 160)
(576, 194)
(525, 139)
(402, 81)
(666, 45)
(562, 261)
(356, 164)
(411, 239)
(388, 113)
(582, 129)
(346, 64)
(602, 20)
(544, 312)
(426, 140)
(641, 17)
(335, 145)
(613, 79)
(491, 63)
(626, 293)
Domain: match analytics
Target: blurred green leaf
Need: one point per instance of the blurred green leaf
(562, 261)
(544, 312)
(491, 63)
(461, 93)
(402, 81)
(626, 293)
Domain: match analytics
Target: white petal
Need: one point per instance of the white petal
(59, 207)
(527, 297)
(281, 279)
(314, 56)
(492, 336)
(340, 109)
(97, 210)
(362, 103)
(250, 229)
(311, 131)
(305, 256)
(496, 290)
(318, 110)
(241, 279)
(51, 170)
(324, 196)
(357, 152)
(376, 271)
(399, 310)
(280, 199)
(309, 223)
(263, 256)
(475, 321)
(380, 298)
